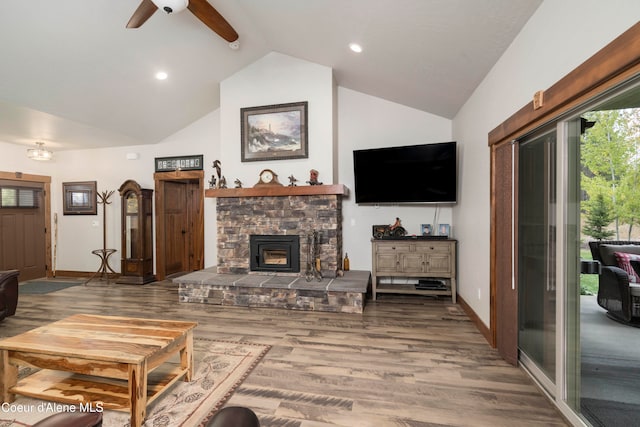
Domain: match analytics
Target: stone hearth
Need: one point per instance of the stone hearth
(345, 294)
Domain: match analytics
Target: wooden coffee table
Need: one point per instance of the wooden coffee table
(99, 360)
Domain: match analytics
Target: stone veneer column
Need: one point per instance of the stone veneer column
(240, 217)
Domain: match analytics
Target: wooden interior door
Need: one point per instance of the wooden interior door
(22, 229)
(179, 222)
(176, 227)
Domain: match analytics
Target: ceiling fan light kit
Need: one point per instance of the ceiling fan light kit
(171, 6)
(39, 153)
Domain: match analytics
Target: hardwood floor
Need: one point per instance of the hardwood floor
(407, 361)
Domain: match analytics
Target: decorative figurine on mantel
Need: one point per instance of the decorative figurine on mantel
(238, 183)
(218, 181)
(313, 178)
(292, 180)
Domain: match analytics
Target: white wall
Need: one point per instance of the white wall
(369, 122)
(78, 235)
(560, 36)
(278, 79)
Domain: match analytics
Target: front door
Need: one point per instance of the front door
(22, 228)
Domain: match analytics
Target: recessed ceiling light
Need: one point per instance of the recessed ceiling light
(161, 75)
(355, 47)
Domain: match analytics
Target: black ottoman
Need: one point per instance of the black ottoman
(234, 416)
(72, 419)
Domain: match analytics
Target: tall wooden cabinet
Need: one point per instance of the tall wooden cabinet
(137, 234)
(434, 261)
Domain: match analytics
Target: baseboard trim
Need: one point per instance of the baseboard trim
(72, 273)
(486, 332)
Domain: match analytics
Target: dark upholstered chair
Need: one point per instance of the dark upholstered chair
(234, 416)
(616, 293)
(72, 419)
(8, 293)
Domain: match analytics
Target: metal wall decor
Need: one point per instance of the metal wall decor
(184, 163)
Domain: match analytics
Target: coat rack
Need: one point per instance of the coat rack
(104, 253)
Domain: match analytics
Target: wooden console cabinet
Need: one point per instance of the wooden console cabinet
(408, 258)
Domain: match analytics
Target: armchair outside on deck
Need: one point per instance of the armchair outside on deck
(619, 295)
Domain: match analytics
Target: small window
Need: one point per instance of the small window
(9, 197)
(12, 197)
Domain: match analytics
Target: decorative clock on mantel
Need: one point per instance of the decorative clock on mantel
(268, 178)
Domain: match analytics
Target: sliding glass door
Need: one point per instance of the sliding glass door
(584, 360)
(536, 261)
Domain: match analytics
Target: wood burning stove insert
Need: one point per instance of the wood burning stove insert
(274, 253)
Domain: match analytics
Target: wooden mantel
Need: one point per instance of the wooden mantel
(271, 191)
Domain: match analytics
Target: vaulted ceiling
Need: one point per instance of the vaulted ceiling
(74, 77)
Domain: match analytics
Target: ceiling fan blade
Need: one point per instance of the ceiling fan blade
(142, 13)
(212, 19)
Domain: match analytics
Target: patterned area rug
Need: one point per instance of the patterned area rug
(221, 366)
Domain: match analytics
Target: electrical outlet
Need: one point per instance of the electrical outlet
(479, 294)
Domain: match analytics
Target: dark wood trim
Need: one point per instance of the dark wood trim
(81, 274)
(493, 251)
(178, 175)
(19, 176)
(484, 330)
(46, 180)
(275, 191)
(609, 67)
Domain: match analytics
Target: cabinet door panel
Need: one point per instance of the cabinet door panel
(439, 263)
(386, 262)
(412, 263)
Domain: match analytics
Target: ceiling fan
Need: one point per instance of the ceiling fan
(200, 8)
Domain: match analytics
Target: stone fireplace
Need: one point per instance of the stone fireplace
(287, 213)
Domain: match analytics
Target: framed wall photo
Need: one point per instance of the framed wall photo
(443, 229)
(425, 229)
(274, 132)
(79, 198)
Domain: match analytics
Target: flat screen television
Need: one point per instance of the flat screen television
(425, 173)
